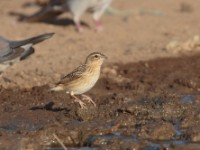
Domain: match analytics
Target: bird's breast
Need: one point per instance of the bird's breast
(86, 82)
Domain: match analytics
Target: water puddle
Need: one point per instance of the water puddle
(188, 99)
(108, 137)
(16, 125)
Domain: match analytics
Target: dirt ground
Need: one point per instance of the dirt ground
(147, 96)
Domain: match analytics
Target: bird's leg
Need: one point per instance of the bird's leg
(98, 25)
(78, 26)
(85, 97)
(76, 19)
(76, 99)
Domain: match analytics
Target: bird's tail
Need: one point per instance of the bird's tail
(32, 41)
(57, 88)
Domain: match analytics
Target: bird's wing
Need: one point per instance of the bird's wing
(6, 52)
(17, 54)
(77, 73)
(4, 48)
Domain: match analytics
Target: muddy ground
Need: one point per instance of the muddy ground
(147, 96)
(145, 105)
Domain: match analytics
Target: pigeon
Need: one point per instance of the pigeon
(76, 7)
(15, 51)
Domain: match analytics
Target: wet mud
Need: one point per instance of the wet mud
(148, 105)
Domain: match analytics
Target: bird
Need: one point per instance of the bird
(76, 7)
(14, 51)
(82, 79)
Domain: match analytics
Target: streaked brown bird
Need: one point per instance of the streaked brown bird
(15, 51)
(82, 79)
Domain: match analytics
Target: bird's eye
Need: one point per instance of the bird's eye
(96, 56)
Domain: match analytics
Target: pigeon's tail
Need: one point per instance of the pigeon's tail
(32, 41)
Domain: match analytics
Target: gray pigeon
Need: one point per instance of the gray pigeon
(15, 51)
(76, 7)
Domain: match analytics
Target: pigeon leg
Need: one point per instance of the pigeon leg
(78, 27)
(77, 23)
(98, 25)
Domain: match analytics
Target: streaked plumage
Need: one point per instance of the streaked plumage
(83, 78)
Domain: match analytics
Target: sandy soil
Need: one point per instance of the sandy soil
(142, 103)
(133, 36)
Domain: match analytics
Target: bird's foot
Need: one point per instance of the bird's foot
(82, 105)
(98, 25)
(76, 99)
(85, 97)
(79, 27)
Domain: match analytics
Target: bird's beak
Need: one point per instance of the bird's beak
(104, 56)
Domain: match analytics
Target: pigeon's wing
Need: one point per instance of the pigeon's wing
(77, 73)
(20, 53)
(5, 49)
(12, 55)
(8, 53)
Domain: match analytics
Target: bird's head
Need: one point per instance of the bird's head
(95, 58)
